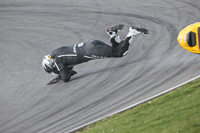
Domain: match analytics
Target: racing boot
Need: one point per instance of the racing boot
(142, 30)
(114, 30)
(113, 33)
(133, 31)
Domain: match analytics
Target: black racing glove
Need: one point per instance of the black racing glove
(53, 81)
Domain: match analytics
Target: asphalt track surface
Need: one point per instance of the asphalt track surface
(31, 29)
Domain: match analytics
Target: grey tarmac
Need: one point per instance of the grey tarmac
(30, 29)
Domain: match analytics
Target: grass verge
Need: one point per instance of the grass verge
(175, 112)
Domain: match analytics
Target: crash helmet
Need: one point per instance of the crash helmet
(48, 63)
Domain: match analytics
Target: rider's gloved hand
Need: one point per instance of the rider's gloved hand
(55, 80)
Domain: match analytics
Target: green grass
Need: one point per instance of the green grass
(175, 112)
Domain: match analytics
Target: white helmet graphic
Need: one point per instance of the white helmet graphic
(48, 63)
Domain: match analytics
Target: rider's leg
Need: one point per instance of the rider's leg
(95, 49)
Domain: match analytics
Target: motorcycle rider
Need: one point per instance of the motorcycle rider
(62, 59)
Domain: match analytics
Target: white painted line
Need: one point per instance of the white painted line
(66, 55)
(133, 105)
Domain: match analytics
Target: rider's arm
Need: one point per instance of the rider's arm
(65, 72)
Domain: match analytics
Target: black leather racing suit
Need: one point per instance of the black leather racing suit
(67, 56)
